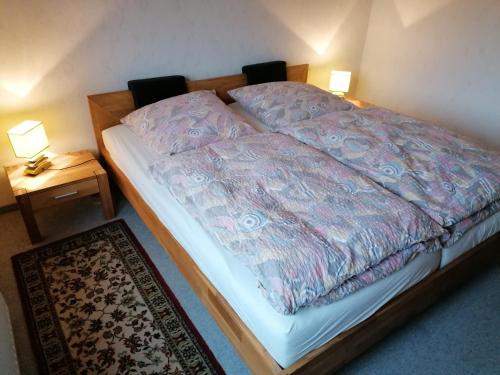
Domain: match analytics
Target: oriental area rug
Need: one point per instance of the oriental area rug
(96, 304)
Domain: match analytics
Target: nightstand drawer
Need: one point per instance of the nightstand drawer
(62, 194)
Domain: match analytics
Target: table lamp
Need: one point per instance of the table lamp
(28, 139)
(339, 82)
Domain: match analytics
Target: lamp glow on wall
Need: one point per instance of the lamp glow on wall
(28, 140)
(339, 82)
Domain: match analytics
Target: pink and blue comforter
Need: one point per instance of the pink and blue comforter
(454, 181)
(309, 228)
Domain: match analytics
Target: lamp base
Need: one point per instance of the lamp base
(37, 165)
(36, 159)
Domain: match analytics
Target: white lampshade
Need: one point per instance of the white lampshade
(339, 81)
(28, 139)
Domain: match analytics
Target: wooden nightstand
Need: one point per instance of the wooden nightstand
(359, 103)
(73, 175)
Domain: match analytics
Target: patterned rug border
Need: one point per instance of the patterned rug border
(29, 319)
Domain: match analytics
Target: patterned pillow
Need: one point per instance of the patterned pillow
(281, 103)
(186, 122)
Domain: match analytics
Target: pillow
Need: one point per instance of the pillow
(282, 103)
(186, 122)
(151, 90)
(265, 72)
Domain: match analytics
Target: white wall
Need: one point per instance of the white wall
(55, 52)
(437, 60)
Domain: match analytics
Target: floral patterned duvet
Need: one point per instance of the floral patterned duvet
(456, 182)
(310, 229)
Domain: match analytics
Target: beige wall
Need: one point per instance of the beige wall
(437, 60)
(55, 52)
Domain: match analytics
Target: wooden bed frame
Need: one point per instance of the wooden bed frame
(107, 109)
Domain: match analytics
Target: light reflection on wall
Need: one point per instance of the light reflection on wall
(411, 11)
(18, 87)
(23, 69)
(316, 26)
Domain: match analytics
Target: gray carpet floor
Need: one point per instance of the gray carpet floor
(459, 335)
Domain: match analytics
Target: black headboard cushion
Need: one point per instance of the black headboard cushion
(265, 72)
(150, 90)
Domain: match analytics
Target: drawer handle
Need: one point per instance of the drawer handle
(66, 195)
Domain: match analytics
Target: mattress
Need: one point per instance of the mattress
(286, 337)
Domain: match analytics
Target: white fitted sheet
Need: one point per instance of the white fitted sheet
(473, 237)
(286, 337)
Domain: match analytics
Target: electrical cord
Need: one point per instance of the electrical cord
(70, 166)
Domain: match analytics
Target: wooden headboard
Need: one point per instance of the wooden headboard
(108, 108)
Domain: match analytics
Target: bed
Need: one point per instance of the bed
(277, 344)
(286, 337)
